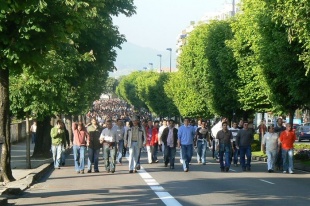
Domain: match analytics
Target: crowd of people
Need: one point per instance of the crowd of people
(115, 127)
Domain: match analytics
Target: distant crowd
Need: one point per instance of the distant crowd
(115, 127)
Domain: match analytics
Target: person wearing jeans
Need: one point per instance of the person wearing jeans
(287, 139)
(224, 147)
(80, 139)
(135, 138)
(169, 139)
(58, 139)
(186, 135)
(244, 140)
(94, 145)
(202, 140)
(270, 147)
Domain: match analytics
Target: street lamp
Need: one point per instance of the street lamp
(151, 64)
(145, 68)
(159, 62)
(169, 49)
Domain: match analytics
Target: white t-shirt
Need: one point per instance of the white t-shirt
(271, 141)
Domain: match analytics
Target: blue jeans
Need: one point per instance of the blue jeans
(287, 156)
(56, 150)
(79, 157)
(33, 137)
(134, 153)
(120, 150)
(169, 156)
(272, 155)
(201, 151)
(245, 151)
(63, 155)
(225, 150)
(154, 151)
(109, 157)
(93, 157)
(187, 153)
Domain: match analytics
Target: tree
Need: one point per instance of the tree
(31, 31)
(293, 15)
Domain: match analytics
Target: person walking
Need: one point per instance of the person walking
(154, 141)
(186, 135)
(149, 131)
(135, 138)
(160, 132)
(244, 140)
(58, 139)
(287, 139)
(169, 140)
(202, 140)
(279, 128)
(94, 131)
(270, 147)
(80, 138)
(224, 146)
(109, 140)
(120, 133)
(234, 130)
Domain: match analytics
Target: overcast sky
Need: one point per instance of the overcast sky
(158, 22)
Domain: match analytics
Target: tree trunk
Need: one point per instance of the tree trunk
(43, 144)
(291, 116)
(5, 134)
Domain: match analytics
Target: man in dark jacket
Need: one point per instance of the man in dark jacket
(169, 138)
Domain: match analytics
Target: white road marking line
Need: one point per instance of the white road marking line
(159, 190)
(267, 182)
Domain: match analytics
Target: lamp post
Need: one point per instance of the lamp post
(145, 68)
(169, 49)
(151, 64)
(159, 62)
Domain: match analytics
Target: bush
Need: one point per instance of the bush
(303, 155)
(255, 146)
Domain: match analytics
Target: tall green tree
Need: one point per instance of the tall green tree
(30, 31)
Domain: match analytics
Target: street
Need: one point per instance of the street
(157, 185)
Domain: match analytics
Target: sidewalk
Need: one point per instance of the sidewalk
(24, 177)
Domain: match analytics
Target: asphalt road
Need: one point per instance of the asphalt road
(157, 185)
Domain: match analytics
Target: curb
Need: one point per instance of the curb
(18, 186)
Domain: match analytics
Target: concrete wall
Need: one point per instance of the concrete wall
(18, 131)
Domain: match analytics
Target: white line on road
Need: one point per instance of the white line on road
(159, 190)
(267, 182)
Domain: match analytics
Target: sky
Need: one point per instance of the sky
(157, 23)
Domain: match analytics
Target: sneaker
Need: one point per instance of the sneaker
(96, 171)
(269, 171)
(156, 161)
(82, 171)
(135, 171)
(88, 171)
(291, 172)
(112, 171)
(186, 170)
(284, 172)
(130, 171)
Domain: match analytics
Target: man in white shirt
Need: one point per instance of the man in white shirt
(109, 140)
(270, 147)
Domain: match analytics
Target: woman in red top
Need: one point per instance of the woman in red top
(154, 141)
(287, 139)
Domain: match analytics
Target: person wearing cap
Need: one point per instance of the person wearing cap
(135, 140)
(186, 135)
(169, 139)
(244, 140)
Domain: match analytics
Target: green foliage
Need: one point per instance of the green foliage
(255, 146)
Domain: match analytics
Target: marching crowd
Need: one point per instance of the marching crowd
(116, 129)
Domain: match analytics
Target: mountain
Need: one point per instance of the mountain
(133, 57)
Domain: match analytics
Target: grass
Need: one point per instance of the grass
(259, 154)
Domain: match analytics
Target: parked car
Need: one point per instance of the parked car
(303, 133)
